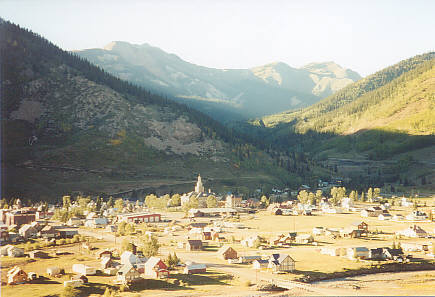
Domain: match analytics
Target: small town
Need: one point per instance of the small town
(200, 240)
(217, 148)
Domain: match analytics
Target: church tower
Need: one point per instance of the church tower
(199, 187)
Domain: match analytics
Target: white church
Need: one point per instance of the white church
(199, 192)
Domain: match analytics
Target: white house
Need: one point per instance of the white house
(417, 216)
(128, 257)
(358, 252)
(413, 231)
(83, 269)
(97, 223)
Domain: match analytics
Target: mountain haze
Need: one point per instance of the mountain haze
(222, 93)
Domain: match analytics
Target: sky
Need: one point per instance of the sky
(364, 36)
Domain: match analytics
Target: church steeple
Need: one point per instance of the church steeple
(199, 187)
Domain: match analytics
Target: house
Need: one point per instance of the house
(248, 259)
(104, 253)
(357, 253)
(260, 264)
(304, 238)
(106, 262)
(15, 252)
(127, 274)
(393, 254)
(83, 269)
(233, 201)
(385, 217)
(285, 240)
(277, 211)
(97, 223)
(351, 232)
(250, 241)
(4, 236)
(128, 257)
(155, 268)
(53, 271)
(16, 276)
(398, 217)
(195, 268)
(361, 225)
(318, 230)
(413, 231)
(281, 262)
(194, 245)
(38, 254)
(332, 232)
(332, 251)
(368, 213)
(206, 235)
(227, 252)
(67, 232)
(27, 231)
(36, 225)
(48, 232)
(74, 222)
(376, 254)
(417, 216)
(4, 249)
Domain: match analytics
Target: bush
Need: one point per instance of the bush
(247, 283)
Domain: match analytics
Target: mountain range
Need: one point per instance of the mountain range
(225, 94)
(70, 127)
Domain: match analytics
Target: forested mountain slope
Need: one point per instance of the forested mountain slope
(224, 94)
(69, 126)
(401, 84)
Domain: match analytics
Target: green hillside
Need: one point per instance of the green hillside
(349, 109)
(68, 126)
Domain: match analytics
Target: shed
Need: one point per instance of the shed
(227, 252)
(194, 245)
(38, 254)
(195, 268)
(260, 264)
(16, 276)
(53, 271)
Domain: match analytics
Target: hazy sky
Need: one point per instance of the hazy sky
(362, 35)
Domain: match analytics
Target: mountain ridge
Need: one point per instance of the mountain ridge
(253, 92)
